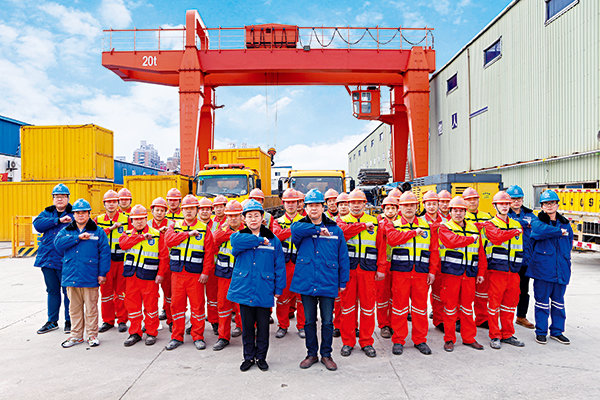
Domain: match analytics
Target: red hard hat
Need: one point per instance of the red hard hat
(430, 196)
(408, 197)
(205, 203)
(470, 193)
(233, 207)
(395, 192)
(124, 194)
(501, 197)
(138, 211)
(110, 195)
(458, 202)
(159, 202)
(190, 201)
(220, 199)
(357, 195)
(256, 194)
(331, 194)
(173, 194)
(391, 201)
(444, 195)
(290, 195)
(342, 198)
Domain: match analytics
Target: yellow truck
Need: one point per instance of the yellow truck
(304, 180)
(234, 173)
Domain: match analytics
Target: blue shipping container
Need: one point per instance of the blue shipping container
(123, 169)
(10, 136)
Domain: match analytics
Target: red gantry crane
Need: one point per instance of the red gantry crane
(198, 59)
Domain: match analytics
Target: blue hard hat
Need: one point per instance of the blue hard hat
(515, 192)
(253, 205)
(60, 189)
(81, 205)
(549, 195)
(314, 196)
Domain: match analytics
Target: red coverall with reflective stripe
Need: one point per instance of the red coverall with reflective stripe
(503, 288)
(186, 285)
(384, 286)
(437, 306)
(458, 292)
(211, 288)
(141, 292)
(166, 283)
(481, 290)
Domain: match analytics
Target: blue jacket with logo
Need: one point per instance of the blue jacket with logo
(551, 251)
(49, 225)
(83, 260)
(322, 264)
(258, 271)
(525, 218)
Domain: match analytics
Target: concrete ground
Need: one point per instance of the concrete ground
(35, 366)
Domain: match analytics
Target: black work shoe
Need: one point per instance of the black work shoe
(162, 316)
(495, 344)
(280, 333)
(105, 327)
(173, 344)
(561, 339)
(271, 322)
(346, 351)
(67, 326)
(386, 332)
(302, 333)
(357, 332)
(170, 327)
(131, 340)
(397, 349)
(262, 365)
(513, 341)
(409, 317)
(200, 344)
(541, 339)
(48, 326)
(336, 333)
(246, 365)
(484, 325)
(440, 327)
(122, 327)
(235, 332)
(221, 344)
(458, 325)
(188, 330)
(150, 340)
(215, 328)
(423, 348)
(369, 351)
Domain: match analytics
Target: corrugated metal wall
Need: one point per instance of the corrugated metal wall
(376, 156)
(123, 169)
(10, 136)
(542, 98)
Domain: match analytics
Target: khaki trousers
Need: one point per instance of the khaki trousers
(83, 299)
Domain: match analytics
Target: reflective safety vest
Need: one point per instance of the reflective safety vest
(142, 259)
(188, 254)
(289, 250)
(174, 216)
(225, 260)
(216, 224)
(509, 255)
(461, 260)
(104, 222)
(479, 216)
(414, 253)
(388, 248)
(362, 249)
(445, 218)
(268, 217)
(330, 216)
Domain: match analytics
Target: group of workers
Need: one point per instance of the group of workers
(230, 260)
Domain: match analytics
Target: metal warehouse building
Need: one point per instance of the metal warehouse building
(372, 152)
(522, 98)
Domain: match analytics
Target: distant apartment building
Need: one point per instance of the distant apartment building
(147, 155)
(174, 162)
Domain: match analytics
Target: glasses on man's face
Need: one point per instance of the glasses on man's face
(550, 204)
(61, 196)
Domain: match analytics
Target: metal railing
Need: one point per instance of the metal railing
(24, 240)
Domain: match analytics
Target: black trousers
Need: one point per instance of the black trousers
(524, 296)
(255, 331)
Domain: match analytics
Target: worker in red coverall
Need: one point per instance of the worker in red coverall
(444, 198)
(146, 260)
(192, 262)
(223, 270)
(414, 264)
(463, 263)
(211, 287)
(384, 286)
(342, 208)
(159, 222)
(174, 203)
(505, 258)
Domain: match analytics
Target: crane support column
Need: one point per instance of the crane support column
(206, 127)
(399, 128)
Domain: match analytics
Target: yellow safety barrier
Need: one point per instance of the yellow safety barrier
(24, 240)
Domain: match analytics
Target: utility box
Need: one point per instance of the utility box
(271, 35)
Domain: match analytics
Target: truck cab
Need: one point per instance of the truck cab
(305, 180)
(233, 181)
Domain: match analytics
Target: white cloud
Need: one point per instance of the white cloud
(36, 48)
(413, 19)
(72, 21)
(115, 14)
(441, 6)
(369, 18)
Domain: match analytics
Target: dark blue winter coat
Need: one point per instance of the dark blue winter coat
(83, 260)
(551, 252)
(258, 271)
(525, 218)
(322, 264)
(49, 225)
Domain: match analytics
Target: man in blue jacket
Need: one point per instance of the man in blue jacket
(524, 216)
(258, 276)
(49, 223)
(86, 261)
(322, 269)
(550, 268)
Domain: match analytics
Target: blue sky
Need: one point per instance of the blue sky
(51, 72)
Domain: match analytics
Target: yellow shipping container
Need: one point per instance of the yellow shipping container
(66, 152)
(253, 158)
(30, 199)
(562, 195)
(590, 200)
(145, 188)
(577, 200)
